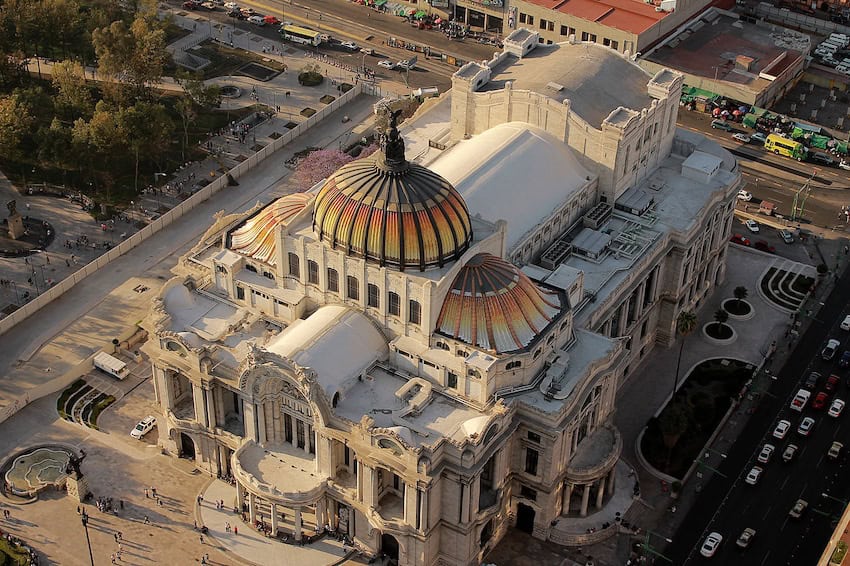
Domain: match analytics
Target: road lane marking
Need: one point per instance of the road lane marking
(820, 460)
(765, 557)
(783, 483)
(766, 513)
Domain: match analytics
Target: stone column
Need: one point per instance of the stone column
(585, 499)
(297, 524)
(475, 495)
(274, 518)
(240, 496)
(568, 495)
(611, 475)
(423, 510)
(308, 430)
(639, 299)
(248, 419)
(261, 422)
(600, 492)
(210, 408)
(200, 405)
(224, 460)
(252, 508)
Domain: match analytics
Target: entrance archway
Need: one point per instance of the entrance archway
(389, 546)
(525, 518)
(187, 446)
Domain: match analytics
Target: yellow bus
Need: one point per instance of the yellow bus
(301, 35)
(783, 146)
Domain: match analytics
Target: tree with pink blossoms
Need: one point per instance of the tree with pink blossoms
(318, 165)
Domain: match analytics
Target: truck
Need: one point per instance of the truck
(111, 365)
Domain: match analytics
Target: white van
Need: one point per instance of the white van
(111, 365)
(839, 39)
(827, 45)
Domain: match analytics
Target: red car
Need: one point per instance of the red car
(831, 383)
(271, 21)
(739, 239)
(820, 400)
(761, 245)
(191, 5)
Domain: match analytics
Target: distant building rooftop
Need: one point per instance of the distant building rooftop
(627, 15)
(582, 73)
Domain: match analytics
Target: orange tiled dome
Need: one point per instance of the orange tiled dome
(495, 306)
(392, 212)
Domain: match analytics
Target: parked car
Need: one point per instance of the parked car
(820, 400)
(754, 475)
(257, 20)
(831, 383)
(145, 426)
(209, 6)
(745, 196)
(834, 450)
(743, 138)
(766, 452)
(350, 45)
(231, 6)
(386, 64)
(271, 20)
(752, 226)
(781, 429)
(836, 408)
(763, 246)
(711, 544)
(829, 351)
(821, 158)
(812, 380)
(844, 164)
(189, 5)
(367, 51)
(789, 453)
(845, 324)
(787, 237)
(721, 125)
(798, 509)
(745, 538)
(805, 427)
(739, 239)
(758, 137)
(798, 403)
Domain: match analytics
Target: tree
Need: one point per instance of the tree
(73, 98)
(318, 165)
(740, 294)
(15, 122)
(720, 318)
(136, 54)
(186, 109)
(204, 96)
(673, 422)
(147, 128)
(686, 323)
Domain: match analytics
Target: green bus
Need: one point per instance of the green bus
(783, 146)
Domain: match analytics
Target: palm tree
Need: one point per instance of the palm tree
(740, 294)
(720, 318)
(686, 323)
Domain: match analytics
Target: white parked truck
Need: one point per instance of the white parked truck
(111, 365)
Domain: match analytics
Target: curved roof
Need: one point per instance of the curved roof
(518, 148)
(392, 212)
(255, 237)
(494, 306)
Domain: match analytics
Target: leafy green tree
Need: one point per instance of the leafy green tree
(204, 96)
(15, 122)
(56, 145)
(134, 54)
(73, 98)
(686, 323)
(148, 128)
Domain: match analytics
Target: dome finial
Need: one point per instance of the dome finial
(392, 144)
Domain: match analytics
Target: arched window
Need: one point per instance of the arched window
(514, 364)
(335, 400)
(373, 293)
(312, 272)
(294, 265)
(415, 313)
(352, 287)
(394, 304)
(537, 353)
(442, 346)
(333, 280)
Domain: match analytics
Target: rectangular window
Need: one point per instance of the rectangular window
(606, 42)
(534, 437)
(287, 428)
(294, 265)
(415, 314)
(521, 18)
(312, 272)
(584, 36)
(615, 45)
(565, 30)
(550, 26)
(333, 280)
(593, 37)
(451, 380)
(394, 304)
(299, 433)
(528, 493)
(372, 299)
(240, 293)
(352, 288)
(542, 24)
(530, 20)
(531, 457)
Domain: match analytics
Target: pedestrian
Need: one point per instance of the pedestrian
(204, 559)
(115, 536)
(153, 491)
(112, 557)
(146, 489)
(120, 535)
(147, 521)
(78, 509)
(202, 538)
(235, 530)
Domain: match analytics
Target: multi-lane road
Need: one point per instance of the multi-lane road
(779, 539)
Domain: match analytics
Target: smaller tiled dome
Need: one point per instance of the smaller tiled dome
(495, 306)
(255, 237)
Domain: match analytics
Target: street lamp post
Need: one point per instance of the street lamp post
(85, 519)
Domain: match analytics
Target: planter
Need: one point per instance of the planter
(738, 311)
(727, 338)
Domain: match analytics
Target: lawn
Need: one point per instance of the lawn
(704, 398)
(226, 61)
(11, 555)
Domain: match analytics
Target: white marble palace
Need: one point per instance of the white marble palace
(424, 350)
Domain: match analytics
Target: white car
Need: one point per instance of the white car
(798, 403)
(754, 475)
(781, 429)
(752, 226)
(745, 196)
(829, 351)
(844, 164)
(806, 426)
(257, 20)
(711, 544)
(350, 45)
(766, 452)
(386, 64)
(743, 138)
(145, 426)
(232, 6)
(836, 408)
(845, 324)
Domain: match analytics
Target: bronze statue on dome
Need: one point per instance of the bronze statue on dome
(392, 143)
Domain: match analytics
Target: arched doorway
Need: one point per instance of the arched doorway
(525, 518)
(187, 446)
(389, 546)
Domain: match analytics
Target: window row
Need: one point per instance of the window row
(566, 31)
